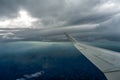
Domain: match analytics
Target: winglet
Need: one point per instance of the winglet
(70, 38)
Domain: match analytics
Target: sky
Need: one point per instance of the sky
(87, 20)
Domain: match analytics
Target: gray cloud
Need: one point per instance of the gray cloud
(68, 12)
(60, 12)
(111, 26)
(58, 16)
(9, 8)
(71, 12)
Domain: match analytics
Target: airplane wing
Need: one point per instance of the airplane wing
(107, 61)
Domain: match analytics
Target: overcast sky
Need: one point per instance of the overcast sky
(27, 19)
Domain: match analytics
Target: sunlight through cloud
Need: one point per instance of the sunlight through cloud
(23, 20)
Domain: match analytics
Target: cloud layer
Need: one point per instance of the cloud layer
(58, 16)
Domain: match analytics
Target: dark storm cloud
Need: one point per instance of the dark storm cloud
(91, 19)
(66, 14)
(70, 12)
(111, 26)
(59, 12)
(10, 7)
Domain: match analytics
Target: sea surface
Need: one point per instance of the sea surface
(48, 61)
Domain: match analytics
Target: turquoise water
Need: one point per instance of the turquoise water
(47, 60)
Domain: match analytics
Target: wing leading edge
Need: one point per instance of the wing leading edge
(107, 61)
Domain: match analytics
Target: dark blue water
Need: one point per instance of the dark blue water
(45, 61)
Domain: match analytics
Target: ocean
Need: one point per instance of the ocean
(32, 60)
